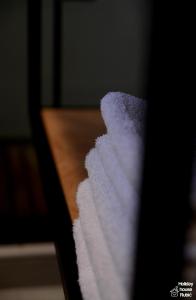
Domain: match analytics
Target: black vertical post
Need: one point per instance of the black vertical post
(57, 51)
(165, 210)
(34, 10)
(61, 224)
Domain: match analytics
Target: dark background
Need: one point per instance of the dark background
(105, 47)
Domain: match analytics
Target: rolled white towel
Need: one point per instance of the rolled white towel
(107, 277)
(117, 222)
(123, 114)
(108, 199)
(87, 278)
(124, 118)
(123, 185)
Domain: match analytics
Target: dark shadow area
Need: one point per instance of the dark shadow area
(23, 211)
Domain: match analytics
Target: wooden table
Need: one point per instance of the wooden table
(71, 134)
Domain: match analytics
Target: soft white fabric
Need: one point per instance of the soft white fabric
(100, 257)
(123, 114)
(87, 278)
(108, 201)
(116, 220)
(124, 118)
(112, 165)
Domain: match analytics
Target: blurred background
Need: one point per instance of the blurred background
(104, 48)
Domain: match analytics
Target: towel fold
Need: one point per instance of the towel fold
(108, 202)
(116, 220)
(124, 116)
(99, 254)
(113, 168)
(87, 278)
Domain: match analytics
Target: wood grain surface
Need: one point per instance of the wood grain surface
(71, 134)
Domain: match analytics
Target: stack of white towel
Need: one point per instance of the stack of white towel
(108, 199)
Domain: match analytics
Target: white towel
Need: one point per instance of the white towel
(116, 220)
(114, 170)
(108, 201)
(124, 118)
(87, 278)
(123, 114)
(107, 277)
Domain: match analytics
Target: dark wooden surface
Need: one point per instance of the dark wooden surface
(23, 210)
(71, 134)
